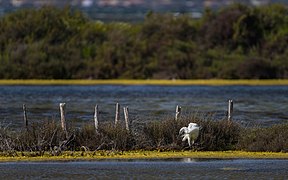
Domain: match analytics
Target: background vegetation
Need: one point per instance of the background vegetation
(237, 42)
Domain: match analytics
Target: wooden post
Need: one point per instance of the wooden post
(117, 114)
(96, 115)
(126, 116)
(230, 109)
(25, 116)
(178, 112)
(62, 113)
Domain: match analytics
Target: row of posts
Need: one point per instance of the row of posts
(96, 117)
(117, 115)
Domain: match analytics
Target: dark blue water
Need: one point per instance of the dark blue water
(253, 105)
(142, 169)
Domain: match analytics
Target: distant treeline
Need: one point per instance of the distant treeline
(237, 42)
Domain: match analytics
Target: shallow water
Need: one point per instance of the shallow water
(186, 168)
(253, 105)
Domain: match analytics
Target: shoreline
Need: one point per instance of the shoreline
(126, 155)
(208, 82)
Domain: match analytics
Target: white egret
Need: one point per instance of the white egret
(190, 133)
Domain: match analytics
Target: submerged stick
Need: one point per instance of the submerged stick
(230, 110)
(25, 116)
(96, 115)
(178, 112)
(117, 114)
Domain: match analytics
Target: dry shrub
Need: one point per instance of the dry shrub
(218, 135)
(87, 138)
(108, 137)
(157, 135)
(39, 137)
(214, 134)
(164, 135)
(118, 137)
(274, 138)
(6, 139)
(160, 134)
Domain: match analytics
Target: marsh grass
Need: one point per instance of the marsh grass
(219, 135)
(6, 140)
(109, 137)
(162, 135)
(273, 139)
(213, 136)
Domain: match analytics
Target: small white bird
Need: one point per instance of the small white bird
(190, 133)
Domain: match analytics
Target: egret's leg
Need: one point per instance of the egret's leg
(184, 138)
(192, 142)
(189, 141)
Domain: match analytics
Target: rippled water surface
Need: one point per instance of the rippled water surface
(142, 169)
(264, 105)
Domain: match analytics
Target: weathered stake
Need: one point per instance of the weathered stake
(117, 114)
(230, 110)
(96, 115)
(62, 113)
(178, 112)
(126, 116)
(25, 116)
